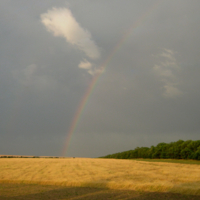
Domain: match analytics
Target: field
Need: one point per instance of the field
(190, 162)
(48, 192)
(99, 175)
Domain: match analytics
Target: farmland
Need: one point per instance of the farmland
(44, 192)
(116, 174)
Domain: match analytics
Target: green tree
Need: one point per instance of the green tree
(186, 153)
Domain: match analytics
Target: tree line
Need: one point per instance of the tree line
(18, 156)
(175, 150)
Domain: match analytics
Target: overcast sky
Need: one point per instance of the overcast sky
(50, 52)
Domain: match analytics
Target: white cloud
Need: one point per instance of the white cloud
(171, 91)
(61, 23)
(30, 77)
(92, 70)
(166, 70)
(85, 65)
(96, 71)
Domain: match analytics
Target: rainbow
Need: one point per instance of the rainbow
(102, 68)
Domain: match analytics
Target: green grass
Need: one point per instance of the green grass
(170, 161)
(44, 192)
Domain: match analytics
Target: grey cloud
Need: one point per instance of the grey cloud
(148, 93)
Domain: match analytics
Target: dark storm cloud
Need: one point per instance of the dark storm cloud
(149, 92)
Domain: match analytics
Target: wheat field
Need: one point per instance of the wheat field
(103, 173)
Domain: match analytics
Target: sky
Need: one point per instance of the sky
(91, 78)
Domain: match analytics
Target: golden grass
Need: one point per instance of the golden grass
(103, 173)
